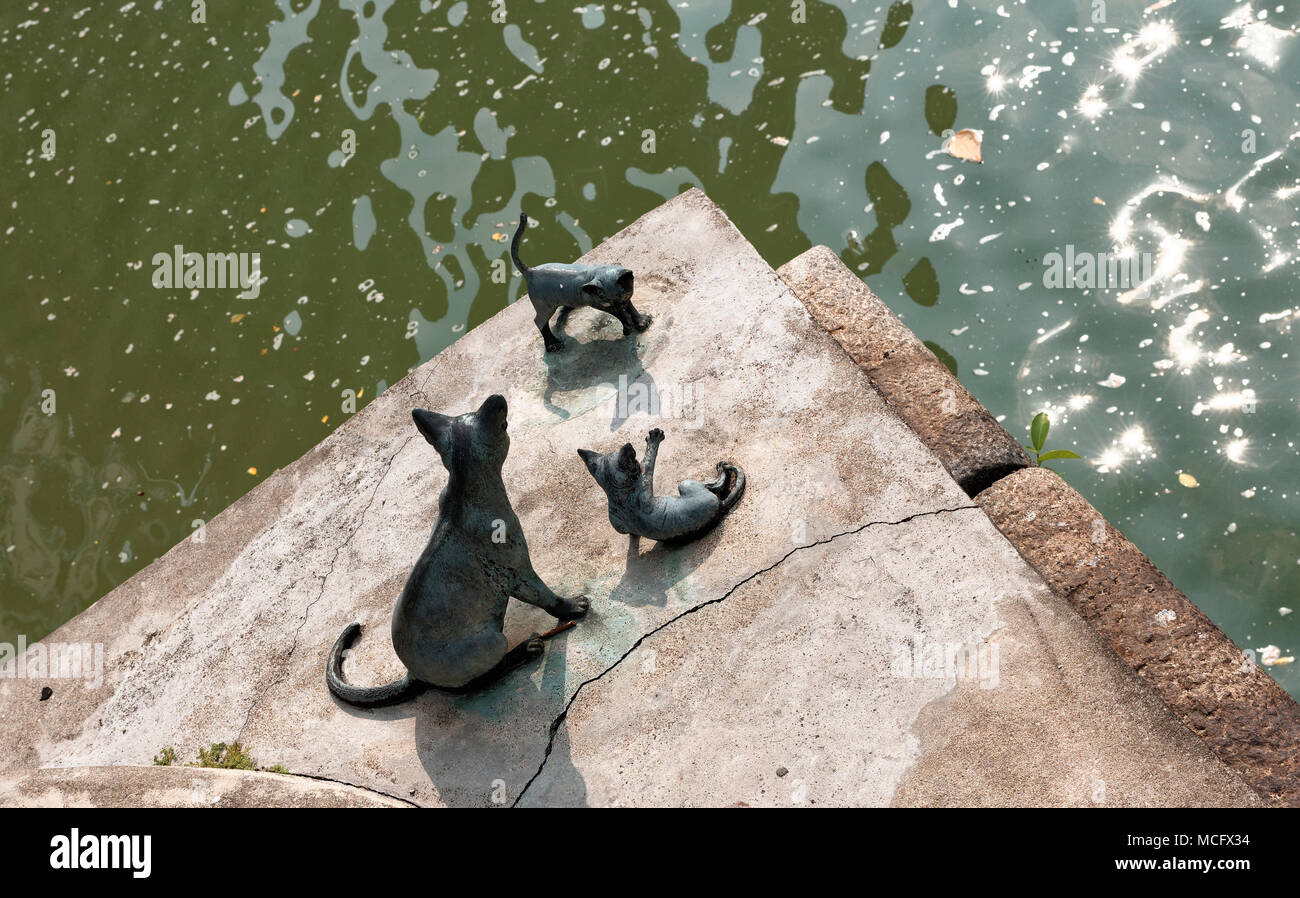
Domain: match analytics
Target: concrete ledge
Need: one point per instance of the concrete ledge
(972, 445)
(182, 787)
(1214, 688)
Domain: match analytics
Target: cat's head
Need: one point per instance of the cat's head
(616, 471)
(610, 287)
(475, 439)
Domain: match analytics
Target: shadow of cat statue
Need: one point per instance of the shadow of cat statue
(447, 625)
(558, 286)
(635, 509)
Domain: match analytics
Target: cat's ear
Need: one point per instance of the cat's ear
(627, 459)
(435, 428)
(589, 459)
(493, 412)
(624, 280)
(592, 288)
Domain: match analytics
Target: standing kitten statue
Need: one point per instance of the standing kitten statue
(634, 508)
(556, 286)
(447, 626)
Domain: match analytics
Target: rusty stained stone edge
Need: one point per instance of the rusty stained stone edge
(1244, 716)
(1249, 722)
(958, 429)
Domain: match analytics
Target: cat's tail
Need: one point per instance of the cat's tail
(514, 245)
(364, 696)
(736, 478)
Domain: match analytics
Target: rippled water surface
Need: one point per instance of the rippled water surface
(375, 155)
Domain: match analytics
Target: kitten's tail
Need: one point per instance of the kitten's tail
(364, 696)
(514, 245)
(736, 477)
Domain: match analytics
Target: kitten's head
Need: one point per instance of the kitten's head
(616, 471)
(475, 439)
(610, 287)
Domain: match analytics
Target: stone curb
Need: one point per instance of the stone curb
(1244, 716)
(194, 787)
(971, 444)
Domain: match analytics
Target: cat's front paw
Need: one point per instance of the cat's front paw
(643, 321)
(534, 646)
(571, 609)
(655, 436)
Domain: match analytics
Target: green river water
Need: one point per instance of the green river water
(375, 154)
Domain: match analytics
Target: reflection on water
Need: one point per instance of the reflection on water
(376, 155)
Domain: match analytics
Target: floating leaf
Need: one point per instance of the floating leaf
(1187, 480)
(965, 144)
(1038, 430)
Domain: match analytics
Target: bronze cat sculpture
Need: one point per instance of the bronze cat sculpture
(635, 509)
(447, 625)
(558, 286)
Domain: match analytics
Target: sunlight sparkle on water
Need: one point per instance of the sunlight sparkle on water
(1132, 443)
(1091, 103)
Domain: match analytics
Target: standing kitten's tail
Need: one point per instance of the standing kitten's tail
(736, 480)
(514, 245)
(364, 696)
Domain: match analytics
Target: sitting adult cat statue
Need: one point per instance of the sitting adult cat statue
(556, 286)
(636, 510)
(447, 625)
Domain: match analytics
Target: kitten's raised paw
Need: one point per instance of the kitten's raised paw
(655, 436)
(571, 609)
(534, 647)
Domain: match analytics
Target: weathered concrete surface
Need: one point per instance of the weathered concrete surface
(969, 441)
(227, 639)
(798, 671)
(1241, 712)
(180, 787)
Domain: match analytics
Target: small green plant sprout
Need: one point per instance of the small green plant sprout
(1038, 433)
(225, 757)
(276, 768)
(166, 757)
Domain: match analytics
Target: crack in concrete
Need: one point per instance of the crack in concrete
(370, 789)
(559, 720)
(388, 466)
(338, 550)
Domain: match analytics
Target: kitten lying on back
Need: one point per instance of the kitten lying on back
(557, 286)
(634, 508)
(447, 626)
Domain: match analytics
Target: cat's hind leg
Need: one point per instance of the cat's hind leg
(542, 319)
(689, 488)
(721, 486)
(526, 651)
(483, 659)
